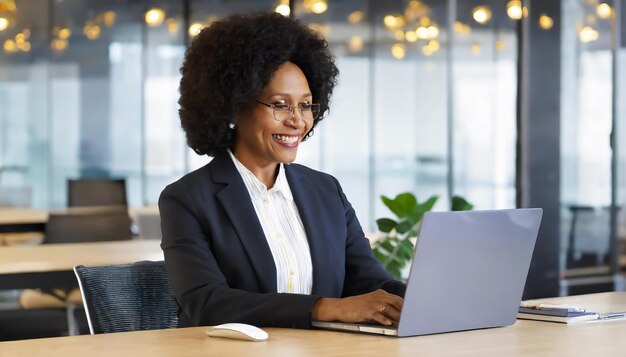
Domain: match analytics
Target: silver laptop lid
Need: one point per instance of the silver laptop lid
(468, 271)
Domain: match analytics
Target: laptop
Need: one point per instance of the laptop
(468, 272)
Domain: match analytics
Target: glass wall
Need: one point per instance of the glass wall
(586, 127)
(425, 101)
(89, 89)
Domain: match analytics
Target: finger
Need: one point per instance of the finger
(380, 293)
(392, 300)
(381, 319)
(390, 311)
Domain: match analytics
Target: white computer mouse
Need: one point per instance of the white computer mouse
(238, 331)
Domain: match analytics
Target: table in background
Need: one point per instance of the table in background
(524, 338)
(16, 220)
(21, 220)
(50, 265)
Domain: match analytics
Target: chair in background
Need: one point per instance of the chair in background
(588, 254)
(88, 225)
(127, 297)
(96, 192)
(589, 232)
(77, 225)
(149, 225)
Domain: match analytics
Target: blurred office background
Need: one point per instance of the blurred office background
(507, 103)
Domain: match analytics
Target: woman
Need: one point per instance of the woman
(249, 238)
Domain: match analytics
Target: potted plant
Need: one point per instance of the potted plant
(395, 248)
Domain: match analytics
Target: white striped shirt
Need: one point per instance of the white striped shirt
(283, 230)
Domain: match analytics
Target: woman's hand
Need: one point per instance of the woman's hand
(379, 306)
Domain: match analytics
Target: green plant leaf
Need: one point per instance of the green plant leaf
(387, 245)
(394, 270)
(382, 258)
(386, 224)
(405, 251)
(402, 205)
(460, 204)
(419, 209)
(403, 227)
(429, 204)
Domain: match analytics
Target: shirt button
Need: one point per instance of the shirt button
(266, 201)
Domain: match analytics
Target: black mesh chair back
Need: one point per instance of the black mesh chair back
(127, 297)
(96, 192)
(88, 225)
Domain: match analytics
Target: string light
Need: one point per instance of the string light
(58, 45)
(410, 36)
(172, 25)
(108, 18)
(416, 9)
(154, 17)
(430, 48)
(91, 30)
(461, 28)
(393, 22)
(481, 14)
(319, 7)
(356, 17)
(8, 14)
(64, 33)
(316, 6)
(514, 9)
(545, 21)
(283, 9)
(195, 29)
(20, 43)
(9, 46)
(604, 10)
(398, 51)
(500, 45)
(475, 48)
(588, 34)
(355, 44)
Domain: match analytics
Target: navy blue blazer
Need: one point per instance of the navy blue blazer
(221, 267)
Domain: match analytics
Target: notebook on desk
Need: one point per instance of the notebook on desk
(468, 272)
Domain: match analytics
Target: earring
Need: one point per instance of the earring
(231, 126)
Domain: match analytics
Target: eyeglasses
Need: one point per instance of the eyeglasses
(284, 111)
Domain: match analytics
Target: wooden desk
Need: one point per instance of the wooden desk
(42, 265)
(19, 220)
(14, 220)
(525, 338)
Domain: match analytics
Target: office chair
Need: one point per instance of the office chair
(127, 297)
(96, 192)
(588, 241)
(76, 226)
(88, 225)
(149, 225)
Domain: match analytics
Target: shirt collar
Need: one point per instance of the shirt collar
(282, 185)
(256, 188)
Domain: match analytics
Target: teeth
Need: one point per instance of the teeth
(286, 139)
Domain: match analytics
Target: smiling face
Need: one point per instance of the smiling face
(262, 142)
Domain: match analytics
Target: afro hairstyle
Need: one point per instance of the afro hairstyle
(231, 62)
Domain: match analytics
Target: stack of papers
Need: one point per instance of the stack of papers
(562, 313)
(555, 313)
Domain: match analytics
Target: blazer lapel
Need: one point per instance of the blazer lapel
(309, 206)
(235, 199)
